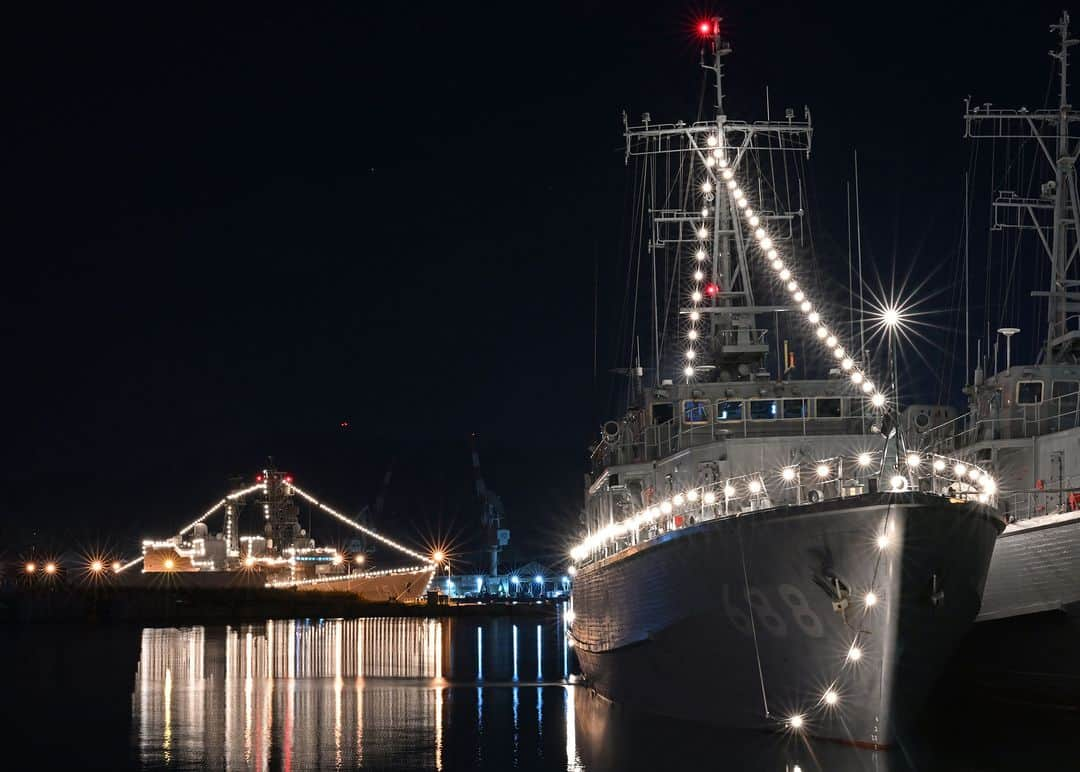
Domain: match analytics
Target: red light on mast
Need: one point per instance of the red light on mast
(705, 28)
(711, 289)
(258, 478)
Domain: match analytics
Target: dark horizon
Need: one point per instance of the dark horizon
(235, 229)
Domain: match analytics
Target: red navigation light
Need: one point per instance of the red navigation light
(258, 478)
(288, 479)
(704, 28)
(711, 289)
(344, 424)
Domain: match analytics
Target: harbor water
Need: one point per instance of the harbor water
(413, 694)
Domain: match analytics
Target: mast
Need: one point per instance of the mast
(729, 342)
(1058, 201)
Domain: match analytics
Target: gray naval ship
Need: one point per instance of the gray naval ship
(1023, 423)
(762, 550)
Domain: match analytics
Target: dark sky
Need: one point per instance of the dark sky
(230, 228)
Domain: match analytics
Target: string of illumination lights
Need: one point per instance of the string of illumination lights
(715, 158)
(427, 568)
(949, 470)
(366, 531)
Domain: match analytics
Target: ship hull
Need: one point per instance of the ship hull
(732, 621)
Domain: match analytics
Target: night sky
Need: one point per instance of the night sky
(231, 229)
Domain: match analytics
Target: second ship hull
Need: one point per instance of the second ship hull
(740, 621)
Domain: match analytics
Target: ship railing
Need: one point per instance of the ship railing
(661, 440)
(1022, 422)
(793, 485)
(1053, 497)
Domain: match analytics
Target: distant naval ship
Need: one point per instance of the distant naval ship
(760, 549)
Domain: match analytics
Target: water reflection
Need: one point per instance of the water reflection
(404, 694)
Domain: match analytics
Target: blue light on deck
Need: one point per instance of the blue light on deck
(514, 580)
(538, 579)
(479, 583)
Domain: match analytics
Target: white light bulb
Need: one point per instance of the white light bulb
(711, 140)
(813, 317)
(988, 485)
(718, 153)
(838, 352)
(696, 296)
(737, 192)
(898, 482)
(759, 233)
(778, 265)
(704, 211)
(822, 470)
(692, 495)
(785, 274)
(690, 353)
(710, 162)
(731, 184)
(856, 377)
(831, 341)
(870, 599)
(754, 221)
(688, 371)
(729, 491)
(678, 500)
(695, 316)
(723, 163)
(821, 332)
(692, 335)
(798, 296)
(792, 286)
(863, 459)
(878, 400)
(960, 470)
(882, 541)
(741, 203)
(771, 254)
(706, 187)
(727, 174)
(788, 473)
(939, 465)
(795, 722)
(710, 497)
(854, 653)
(766, 243)
(749, 213)
(698, 275)
(974, 474)
(847, 363)
(703, 233)
(805, 306)
(867, 387)
(700, 254)
(754, 486)
(665, 507)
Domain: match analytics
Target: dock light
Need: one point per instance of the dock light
(31, 568)
(870, 599)
(116, 566)
(578, 553)
(831, 697)
(678, 500)
(822, 470)
(890, 317)
(169, 565)
(788, 473)
(338, 559)
(974, 474)
(988, 484)
(796, 722)
(863, 460)
(854, 653)
(97, 566)
(691, 495)
(572, 570)
(538, 579)
(710, 497)
(914, 460)
(665, 507)
(960, 470)
(878, 400)
(939, 465)
(359, 560)
(898, 482)
(882, 541)
(249, 561)
(514, 580)
(754, 486)
(438, 556)
(50, 568)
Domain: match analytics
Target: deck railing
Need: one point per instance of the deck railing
(1023, 422)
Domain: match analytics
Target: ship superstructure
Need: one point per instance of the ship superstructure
(761, 550)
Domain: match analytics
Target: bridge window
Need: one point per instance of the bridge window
(1065, 389)
(729, 411)
(762, 409)
(855, 406)
(662, 412)
(795, 408)
(695, 411)
(1029, 392)
(829, 407)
